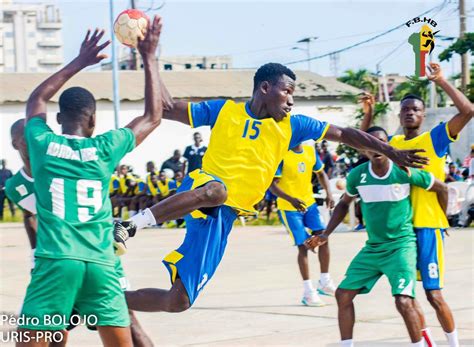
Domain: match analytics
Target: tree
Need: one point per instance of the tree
(414, 85)
(461, 46)
(362, 79)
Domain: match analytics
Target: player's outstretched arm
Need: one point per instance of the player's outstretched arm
(363, 141)
(324, 181)
(172, 109)
(462, 103)
(89, 54)
(337, 217)
(297, 203)
(368, 102)
(441, 190)
(143, 126)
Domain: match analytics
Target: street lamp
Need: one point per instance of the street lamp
(308, 41)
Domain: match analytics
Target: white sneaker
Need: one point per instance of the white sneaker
(328, 289)
(312, 299)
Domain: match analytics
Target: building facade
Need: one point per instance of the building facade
(30, 37)
(172, 63)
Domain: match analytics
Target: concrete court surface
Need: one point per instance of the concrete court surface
(254, 297)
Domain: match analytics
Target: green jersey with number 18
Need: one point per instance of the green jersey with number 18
(72, 176)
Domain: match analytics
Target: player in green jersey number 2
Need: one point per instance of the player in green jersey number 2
(74, 265)
(390, 250)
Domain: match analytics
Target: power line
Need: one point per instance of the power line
(364, 41)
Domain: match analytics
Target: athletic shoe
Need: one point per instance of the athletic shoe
(312, 299)
(359, 227)
(328, 289)
(122, 232)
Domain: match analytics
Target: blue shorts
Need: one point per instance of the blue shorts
(430, 262)
(297, 223)
(196, 260)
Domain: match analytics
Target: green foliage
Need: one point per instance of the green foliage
(461, 46)
(362, 79)
(414, 85)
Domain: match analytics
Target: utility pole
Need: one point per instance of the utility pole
(134, 63)
(308, 41)
(465, 77)
(115, 78)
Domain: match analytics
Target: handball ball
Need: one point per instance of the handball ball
(129, 25)
(341, 184)
(169, 173)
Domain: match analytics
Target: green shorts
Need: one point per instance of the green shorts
(123, 280)
(399, 265)
(58, 285)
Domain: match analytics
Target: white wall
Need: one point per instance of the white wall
(172, 135)
(161, 144)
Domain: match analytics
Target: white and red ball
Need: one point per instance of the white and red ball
(129, 25)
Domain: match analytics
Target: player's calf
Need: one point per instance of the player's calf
(159, 300)
(407, 309)
(445, 316)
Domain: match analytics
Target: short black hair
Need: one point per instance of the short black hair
(18, 127)
(76, 102)
(271, 72)
(376, 128)
(413, 96)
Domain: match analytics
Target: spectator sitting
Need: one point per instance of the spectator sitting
(174, 163)
(453, 175)
(469, 164)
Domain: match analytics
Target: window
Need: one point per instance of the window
(200, 66)
(225, 66)
(213, 66)
(188, 66)
(168, 67)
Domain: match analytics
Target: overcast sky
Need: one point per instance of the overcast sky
(256, 32)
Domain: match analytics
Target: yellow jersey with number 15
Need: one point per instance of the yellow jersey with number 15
(245, 151)
(427, 212)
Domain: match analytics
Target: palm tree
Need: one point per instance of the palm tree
(420, 87)
(414, 85)
(362, 79)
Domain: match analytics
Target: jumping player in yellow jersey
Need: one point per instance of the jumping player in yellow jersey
(299, 214)
(429, 220)
(248, 142)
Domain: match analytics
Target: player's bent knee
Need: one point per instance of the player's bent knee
(404, 303)
(179, 303)
(215, 193)
(343, 297)
(435, 298)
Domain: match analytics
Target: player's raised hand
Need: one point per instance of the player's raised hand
(148, 44)
(368, 101)
(435, 72)
(89, 53)
(409, 158)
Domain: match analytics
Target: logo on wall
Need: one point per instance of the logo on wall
(422, 42)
